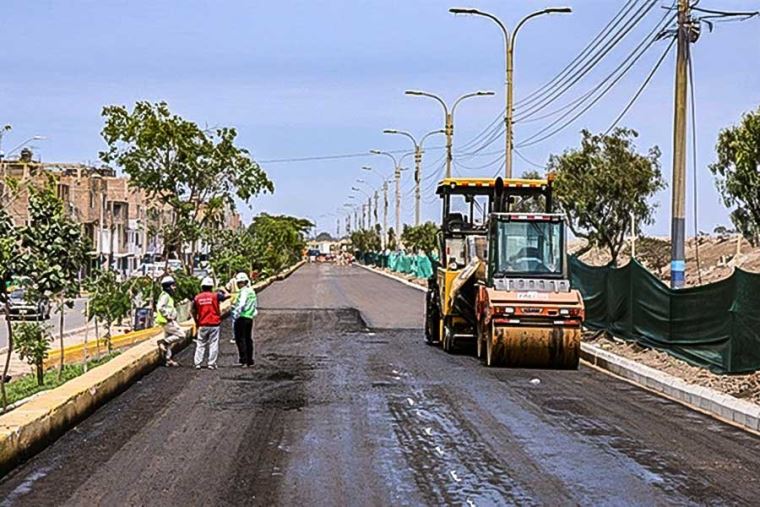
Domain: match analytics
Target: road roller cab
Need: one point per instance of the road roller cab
(503, 278)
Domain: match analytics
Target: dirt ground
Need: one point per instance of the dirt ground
(746, 387)
(343, 408)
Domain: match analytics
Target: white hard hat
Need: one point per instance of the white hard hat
(207, 282)
(241, 277)
(167, 280)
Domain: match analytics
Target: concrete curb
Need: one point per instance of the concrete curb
(740, 413)
(43, 418)
(743, 414)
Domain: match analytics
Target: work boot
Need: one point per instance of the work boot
(171, 362)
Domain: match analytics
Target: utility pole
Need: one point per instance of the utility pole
(398, 199)
(377, 196)
(678, 221)
(337, 228)
(369, 211)
(385, 214)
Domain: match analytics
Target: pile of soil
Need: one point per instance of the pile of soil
(746, 387)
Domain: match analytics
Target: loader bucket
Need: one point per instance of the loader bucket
(551, 347)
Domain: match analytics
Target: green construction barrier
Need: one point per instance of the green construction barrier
(716, 326)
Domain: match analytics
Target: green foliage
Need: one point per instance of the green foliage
(28, 385)
(187, 286)
(392, 243)
(277, 242)
(737, 172)
(366, 240)
(605, 182)
(198, 173)
(423, 237)
(110, 300)
(32, 345)
(535, 204)
(231, 253)
(54, 249)
(654, 253)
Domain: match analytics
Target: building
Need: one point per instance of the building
(122, 224)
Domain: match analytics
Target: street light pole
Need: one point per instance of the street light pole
(449, 118)
(397, 176)
(509, 46)
(417, 165)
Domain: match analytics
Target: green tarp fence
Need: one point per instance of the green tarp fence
(420, 266)
(716, 326)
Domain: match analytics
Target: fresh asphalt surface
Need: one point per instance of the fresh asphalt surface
(338, 414)
(73, 319)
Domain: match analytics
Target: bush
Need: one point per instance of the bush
(32, 345)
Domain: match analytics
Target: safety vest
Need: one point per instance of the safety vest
(165, 310)
(246, 303)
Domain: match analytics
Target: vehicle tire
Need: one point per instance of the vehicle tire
(432, 319)
(490, 357)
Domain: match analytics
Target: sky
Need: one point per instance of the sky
(310, 78)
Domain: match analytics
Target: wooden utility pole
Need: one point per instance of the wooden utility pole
(678, 221)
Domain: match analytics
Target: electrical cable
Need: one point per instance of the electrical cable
(559, 91)
(641, 88)
(694, 161)
(622, 69)
(526, 160)
(590, 47)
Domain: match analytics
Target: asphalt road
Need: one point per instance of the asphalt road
(338, 414)
(74, 318)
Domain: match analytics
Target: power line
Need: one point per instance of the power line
(590, 47)
(334, 157)
(641, 89)
(559, 91)
(621, 71)
(524, 159)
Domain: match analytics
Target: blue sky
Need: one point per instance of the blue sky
(311, 78)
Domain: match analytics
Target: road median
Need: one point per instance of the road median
(33, 425)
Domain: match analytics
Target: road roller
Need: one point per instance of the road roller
(502, 281)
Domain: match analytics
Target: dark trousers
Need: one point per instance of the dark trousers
(244, 340)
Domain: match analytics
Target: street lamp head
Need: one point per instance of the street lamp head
(355, 189)
(484, 93)
(366, 168)
(463, 10)
(558, 10)
(6, 128)
(376, 152)
(360, 181)
(413, 92)
(390, 131)
(38, 138)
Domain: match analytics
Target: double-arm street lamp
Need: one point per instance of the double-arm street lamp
(449, 118)
(417, 165)
(509, 46)
(397, 176)
(385, 202)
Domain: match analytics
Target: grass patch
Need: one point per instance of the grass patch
(26, 386)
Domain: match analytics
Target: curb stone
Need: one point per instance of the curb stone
(740, 413)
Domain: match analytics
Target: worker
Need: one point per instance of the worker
(207, 315)
(166, 316)
(243, 311)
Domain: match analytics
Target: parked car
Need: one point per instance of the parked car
(21, 309)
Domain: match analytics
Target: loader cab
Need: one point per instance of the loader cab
(466, 204)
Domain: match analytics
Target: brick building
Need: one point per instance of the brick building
(118, 220)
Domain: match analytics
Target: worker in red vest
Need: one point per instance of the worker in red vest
(208, 317)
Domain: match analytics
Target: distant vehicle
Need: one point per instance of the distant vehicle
(174, 265)
(21, 309)
(324, 248)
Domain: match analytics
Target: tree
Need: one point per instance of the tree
(423, 237)
(33, 344)
(654, 253)
(366, 241)
(535, 204)
(198, 173)
(109, 301)
(392, 246)
(10, 259)
(55, 251)
(737, 173)
(606, 184)
(277, 241)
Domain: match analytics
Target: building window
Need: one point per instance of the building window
(92, 199)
